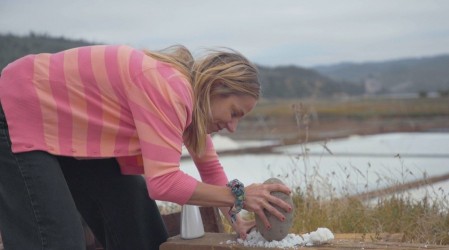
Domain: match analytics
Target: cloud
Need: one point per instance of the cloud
(269, 32)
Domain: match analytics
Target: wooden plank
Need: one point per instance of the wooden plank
(211, 220)
(210, 216)
(217, 241)
(172, 223)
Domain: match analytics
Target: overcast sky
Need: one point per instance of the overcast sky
(271, 33)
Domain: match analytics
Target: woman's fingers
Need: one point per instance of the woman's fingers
(263, 218)
(259, 198)
(274, 211)
(278, 188)
(275, 199)
(251, 227)
(267, 208)
(248, 225)
(242, 227)
(280, 203)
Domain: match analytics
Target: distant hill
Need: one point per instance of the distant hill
(400, 76)
(411, 75)
(13, 47)
(293, 81)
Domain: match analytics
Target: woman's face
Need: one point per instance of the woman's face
(228, 110)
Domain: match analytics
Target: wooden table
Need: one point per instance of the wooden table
(217, 241)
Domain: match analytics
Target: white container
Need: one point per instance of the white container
(191, 222)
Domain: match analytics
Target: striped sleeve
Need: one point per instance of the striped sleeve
(208, 165)
(160, 101)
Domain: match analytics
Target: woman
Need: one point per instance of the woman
(81, 126)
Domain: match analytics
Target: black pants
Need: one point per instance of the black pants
(42, 195)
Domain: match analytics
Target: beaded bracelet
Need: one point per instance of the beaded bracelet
(238, 190)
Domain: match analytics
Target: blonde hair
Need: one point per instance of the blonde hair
(220, 72)
(177, 56)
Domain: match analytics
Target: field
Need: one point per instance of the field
(295, 121)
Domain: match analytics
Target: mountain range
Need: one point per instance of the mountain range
(401, 76)
(411, 75)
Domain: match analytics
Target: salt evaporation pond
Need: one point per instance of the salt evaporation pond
(357, 163)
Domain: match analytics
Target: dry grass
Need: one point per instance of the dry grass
(357, 107)
(423, 221)
(317, 203)
(333, 118)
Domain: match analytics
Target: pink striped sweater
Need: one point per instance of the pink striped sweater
(107, 101)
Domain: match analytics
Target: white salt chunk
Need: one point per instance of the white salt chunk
(255, 239)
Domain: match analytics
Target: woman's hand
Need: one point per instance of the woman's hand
(258, 198)
(242, 227)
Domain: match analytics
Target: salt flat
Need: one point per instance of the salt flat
(352, 165)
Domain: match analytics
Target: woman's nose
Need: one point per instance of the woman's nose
(232, 125)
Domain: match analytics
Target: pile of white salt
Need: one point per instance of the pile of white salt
(255, 239)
